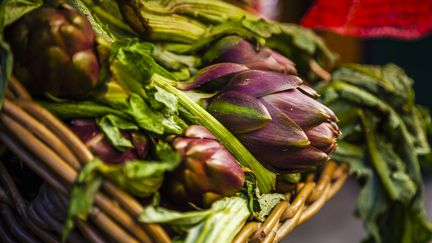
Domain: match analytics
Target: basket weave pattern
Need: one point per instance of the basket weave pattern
(53, 152)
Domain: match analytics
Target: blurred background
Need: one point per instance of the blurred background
(336, 222)
(415, 55)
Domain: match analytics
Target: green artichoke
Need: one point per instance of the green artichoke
(54, 51)
(208, 171)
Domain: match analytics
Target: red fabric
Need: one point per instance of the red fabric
(405, 19)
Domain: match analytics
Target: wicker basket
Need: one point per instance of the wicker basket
(55, 154)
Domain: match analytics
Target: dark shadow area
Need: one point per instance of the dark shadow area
(413, 56)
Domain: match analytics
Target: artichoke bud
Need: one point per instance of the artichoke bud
(213, 77)
(54, 51)
(237, 50)
(275, 116)
(90, 134)
(207, 172)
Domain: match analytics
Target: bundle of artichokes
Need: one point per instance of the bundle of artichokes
(260, 101)
(200, 102)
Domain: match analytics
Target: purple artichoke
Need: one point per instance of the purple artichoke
(234, 49)
(208, 171)
(88, 131)
(54, 50)
(276, 118)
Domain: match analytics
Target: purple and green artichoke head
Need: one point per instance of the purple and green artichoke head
(234, 49)
(90, 134)
(207, 172)
(274, 115)
(54, 51)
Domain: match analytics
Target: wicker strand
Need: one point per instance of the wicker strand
(9, 94)
(21, 207)
(315, 206)
(40, 149)
(15, 226)
(121, 216)
(17, 89)
(323, 181)
(309, 199)
(270, 237)
(109, 227)
(41, 132)
(88, 232)
(4, 198)
(58, 128)
(337, 185)
(33, 163)
(116, 232)
(287, 226)
(247, 232)
(270, 223)
(5, 235)
(156, 231)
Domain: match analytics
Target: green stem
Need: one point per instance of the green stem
(96, 25)
(197, 114)
(229, 216)
(110, 19)
(377, 162)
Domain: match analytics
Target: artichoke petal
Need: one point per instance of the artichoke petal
(287, 158)
(302, 109)
(259, 83)
(220, 47)
(212, 77)
(236, 50)
(223, 171)
(194, 178)
(282, 60)
(322, 136)
(195, 131)
(296, 160)
(74, 39)
(265, 60)
(281, 131)
(239, 112)
(52, 70)
(308, 91)
(201, 150)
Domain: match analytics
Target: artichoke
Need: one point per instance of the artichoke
(88, 131)
(274, 115)
(54, 51)
(234, 49)
(207, 172)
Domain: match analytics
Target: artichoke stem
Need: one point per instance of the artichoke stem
(377, 162)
